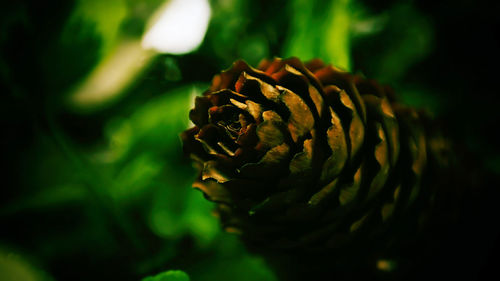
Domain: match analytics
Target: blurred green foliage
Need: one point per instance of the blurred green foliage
(104, 17)
(321, 29)
(171, 275)
(105, 194)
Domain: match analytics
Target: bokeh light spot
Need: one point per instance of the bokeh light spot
(179, 28)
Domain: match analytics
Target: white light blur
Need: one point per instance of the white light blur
(179, 27)
(112, 75)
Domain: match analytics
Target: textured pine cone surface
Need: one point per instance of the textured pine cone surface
(305, 157)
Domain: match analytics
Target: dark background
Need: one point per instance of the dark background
(102, 191)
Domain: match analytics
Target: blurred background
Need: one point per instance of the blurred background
(95, 93)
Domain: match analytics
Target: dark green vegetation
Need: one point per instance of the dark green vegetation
(100, 190)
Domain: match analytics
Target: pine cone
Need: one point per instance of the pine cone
(307, 157)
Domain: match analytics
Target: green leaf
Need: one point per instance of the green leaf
(104, 16)
(16, 267)
(156, 125)
(177, 209)
(401, 37)
(136, 176)
(171, 275)
(412, 36)
(321, 30)
(232, 262)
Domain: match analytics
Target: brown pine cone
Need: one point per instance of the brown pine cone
(307, 157)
